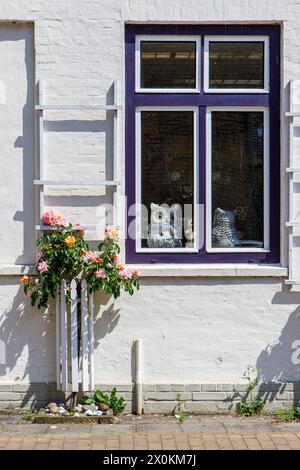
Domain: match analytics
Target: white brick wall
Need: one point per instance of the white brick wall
(194, 331)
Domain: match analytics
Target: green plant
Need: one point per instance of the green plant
(65, 255)
(117, 404)
(290, 414)
(251, 405)
(101, 397)
(178, 411)
(87, 400)
(29, 415)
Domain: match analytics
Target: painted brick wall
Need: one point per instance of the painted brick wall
(195, 330)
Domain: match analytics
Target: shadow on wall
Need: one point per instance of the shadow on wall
(107, 319)
(27, 344)
(24, 32)
(279, 362)
(27, 339)
(20, 328)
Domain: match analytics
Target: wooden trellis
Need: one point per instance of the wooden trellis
(75, 321)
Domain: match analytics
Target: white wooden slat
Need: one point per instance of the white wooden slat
(115, 155)
(292, 224)
(64, 337)
(41, 147)
(291, 96)
(91, 340)
(74, 337)
(292, 170)
(84, 337)
(77, 107)
(58, 342)
(77, 227)
(75, 183)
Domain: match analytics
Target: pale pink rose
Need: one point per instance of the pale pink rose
(99, 274)
(60, 221)
(48, 218)
(91, 256)
(43, 267)
(135, 273)
(116, 260)
(125, 274)
(52, 219)
(111, 233)
(30, 292)
(39, 256)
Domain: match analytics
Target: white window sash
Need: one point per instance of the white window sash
(138, 182)
(172, 38)
(266, 179)
(250, 38)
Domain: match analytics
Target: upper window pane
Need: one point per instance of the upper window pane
(168, 64)
(236, 64)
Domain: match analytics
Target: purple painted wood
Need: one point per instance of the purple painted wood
(202, 100)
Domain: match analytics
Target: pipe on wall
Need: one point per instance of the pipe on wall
(138, 376)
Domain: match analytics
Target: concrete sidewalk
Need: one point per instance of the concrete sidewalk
(153, 433)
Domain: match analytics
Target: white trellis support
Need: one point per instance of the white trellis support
(91, 339)
(75, 321)
(74, 337)
(84, 336)
(63, 337)
(58, 340)
(75, 327)
(41, 180)
(293, 171)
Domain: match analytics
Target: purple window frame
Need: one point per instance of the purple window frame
(202, 100)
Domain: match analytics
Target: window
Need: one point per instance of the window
(237, 179)
(166, 183)
(202, 143)
(236, 63)
(167, 64)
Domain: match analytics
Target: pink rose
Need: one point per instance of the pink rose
(43, 267)
(125, 274)
(116, 260)
(99, 274)
(91, 256)
(48, 218)
(52, 219)
(135, 273)
(39, 256)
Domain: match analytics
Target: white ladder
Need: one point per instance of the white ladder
(42, 180)
(292, 170)
(74, 342)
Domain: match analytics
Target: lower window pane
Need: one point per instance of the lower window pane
(237, 179)
(167, 179)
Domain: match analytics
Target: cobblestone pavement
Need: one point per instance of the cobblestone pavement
(153, 433)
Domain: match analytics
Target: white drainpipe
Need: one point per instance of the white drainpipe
(138, 376)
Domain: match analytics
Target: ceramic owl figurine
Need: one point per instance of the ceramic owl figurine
(161, 233)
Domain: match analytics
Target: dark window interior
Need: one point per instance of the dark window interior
(236, 64)
(168, 64)
(237, 179)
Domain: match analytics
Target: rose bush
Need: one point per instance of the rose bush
(65, 255)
